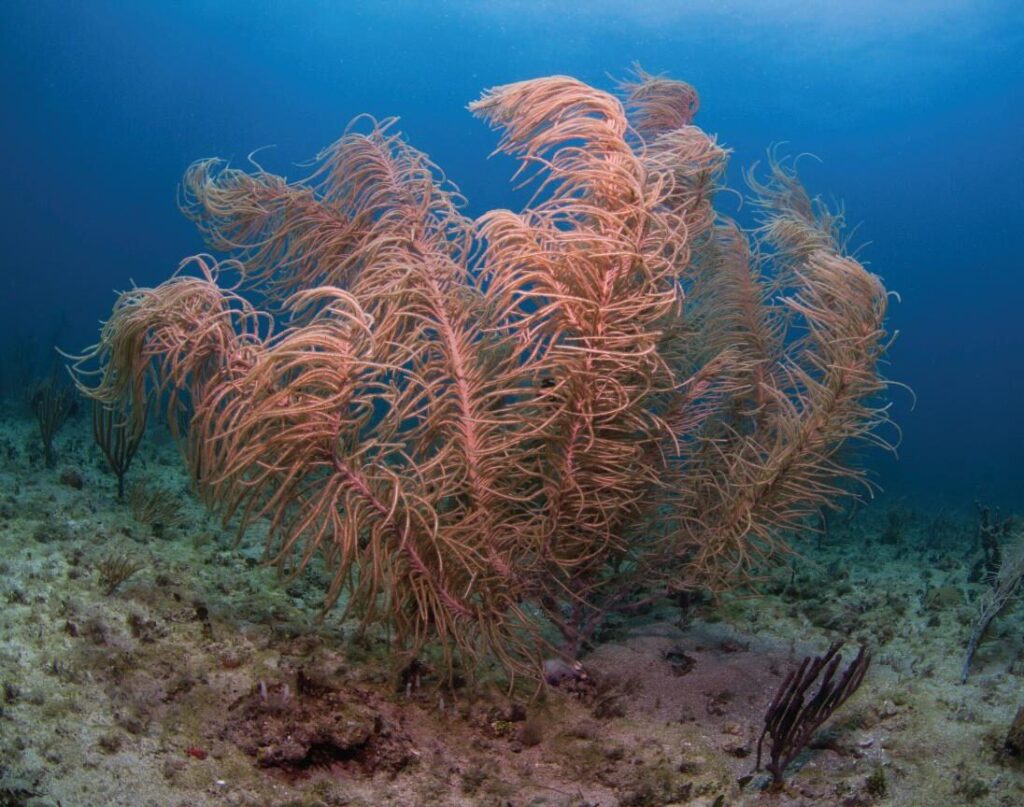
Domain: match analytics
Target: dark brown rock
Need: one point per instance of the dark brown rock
(296, 731)
(71, 478)
(1014, 742)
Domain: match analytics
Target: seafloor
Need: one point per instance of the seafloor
(202, 680)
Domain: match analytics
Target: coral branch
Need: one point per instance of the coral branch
(794, 715)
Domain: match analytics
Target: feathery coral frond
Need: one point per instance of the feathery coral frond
(764, 475)
(483, 429)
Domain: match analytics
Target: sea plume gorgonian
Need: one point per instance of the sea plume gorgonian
(495, 432)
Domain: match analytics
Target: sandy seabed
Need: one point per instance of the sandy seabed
(201, 679)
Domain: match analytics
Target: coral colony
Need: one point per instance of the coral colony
(495, 433)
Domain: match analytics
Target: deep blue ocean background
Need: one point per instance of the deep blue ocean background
(916, 110)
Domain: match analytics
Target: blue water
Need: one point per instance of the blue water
(917, 114)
